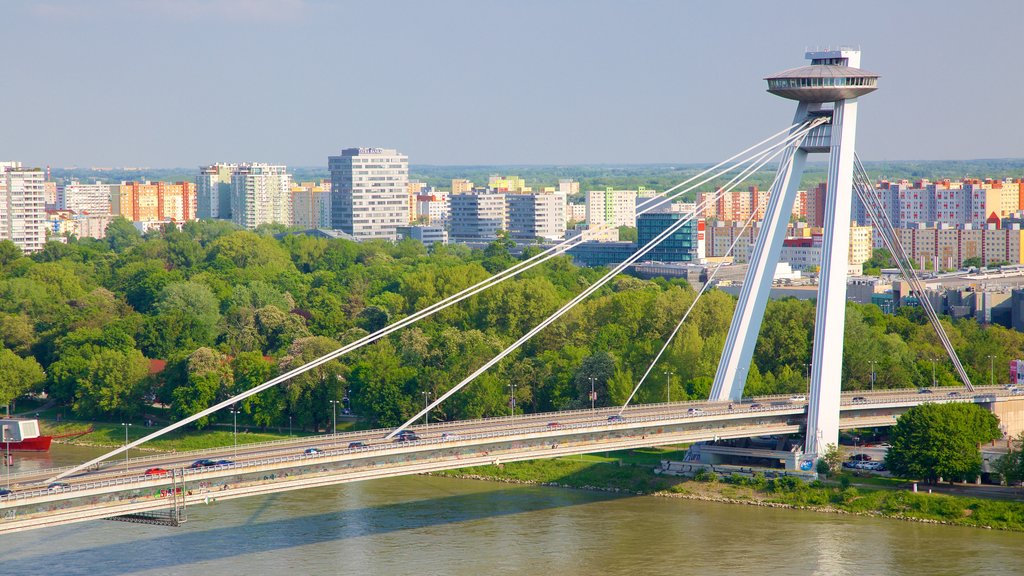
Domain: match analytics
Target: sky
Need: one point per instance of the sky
(164, 83)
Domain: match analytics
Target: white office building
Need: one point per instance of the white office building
(536, 215)
(369, 192)
(611, 208)
(22, 206)
(213, 191)
(478, 215)
(435, 208)
(80, 197)
(261, 194)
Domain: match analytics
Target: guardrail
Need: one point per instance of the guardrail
(241, 466)
(766, 402)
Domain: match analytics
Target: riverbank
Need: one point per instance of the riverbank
(109, 435)
(827, 497)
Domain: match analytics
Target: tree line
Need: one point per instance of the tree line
(112, 327)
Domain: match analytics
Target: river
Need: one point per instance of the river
(429, 525)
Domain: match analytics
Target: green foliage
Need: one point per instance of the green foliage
(934, 441)
(17, 376)
(628, 234)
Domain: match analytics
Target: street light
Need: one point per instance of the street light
(668, 385)
(808, 365)
(426, 414)
(289, 424)
(126, 425)
(873, 363)
(234, 428)
(334, 413)
(991, 370)
(593, 394)
(7, 457)
(933, 372)
(512, 398)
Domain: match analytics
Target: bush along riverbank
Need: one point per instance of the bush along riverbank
(784, 492)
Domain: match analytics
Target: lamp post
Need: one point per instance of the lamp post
(334, 415)
(668, 385)
(873, 363)
(289, 424)
(7, 456)
(593, 394)
(808, 366)
(426, 403)
(234, 428)
(512, 398)
(933, 371)
(991, 370)
(126, 425)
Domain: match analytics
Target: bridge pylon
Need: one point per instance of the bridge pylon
(828, 87)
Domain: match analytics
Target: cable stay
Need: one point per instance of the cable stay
(468, 292)
(674, 227)
(880, 219)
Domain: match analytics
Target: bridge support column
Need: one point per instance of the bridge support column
(830, 316)
(757, 284)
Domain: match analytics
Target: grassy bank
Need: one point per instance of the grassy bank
(112, 435)
(629, 472)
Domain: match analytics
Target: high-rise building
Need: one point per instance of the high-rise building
(478, 215)
(261, 194)
(434, 208)
(311, 205)
(22, 206)
(369, 192)
(611, 208)
(461, 186)
(568, 186)
(508, 184)
(213, 191)
(50, 194)
(154, 201)
(80, 197)
(536, 215)
(684, 245)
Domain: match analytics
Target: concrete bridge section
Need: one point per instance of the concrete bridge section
(284, 465)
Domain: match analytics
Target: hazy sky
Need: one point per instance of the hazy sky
(166, 83)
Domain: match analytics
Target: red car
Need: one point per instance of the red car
(156, 471)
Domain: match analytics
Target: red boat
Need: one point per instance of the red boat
(37, 444)
(40, 443)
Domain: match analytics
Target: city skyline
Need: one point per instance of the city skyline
(540, 97)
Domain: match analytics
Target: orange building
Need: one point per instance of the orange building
(154, 201)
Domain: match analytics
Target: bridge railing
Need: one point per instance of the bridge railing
(370, 448)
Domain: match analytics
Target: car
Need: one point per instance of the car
(223, 462)
(924, 391)
(615, 418)
(885, 445)
(203, 463)
(356, 445)
(312, 451)
(5, 492)
(156, 471)
(407, 436)
(861, 458)
(694, 411)
(859, 400)
(849, 464)
(798, 398)
(756, 406)
(449, 436)
(953, 394)
(554, 425)
(58, 486)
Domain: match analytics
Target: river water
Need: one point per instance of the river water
(429, 525)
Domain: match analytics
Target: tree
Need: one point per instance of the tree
(627, 234)
(934, 441)
(9, 252)
(972, 262)
(17, 376)
(1010, 466)
(600, 367)
(122, 234)
(832, 459)
(109, 383)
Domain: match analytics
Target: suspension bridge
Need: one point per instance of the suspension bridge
(826, 92)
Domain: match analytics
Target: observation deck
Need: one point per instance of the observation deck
(822, 83)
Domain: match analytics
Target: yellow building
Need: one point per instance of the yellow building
(461, 186)
(509, 184)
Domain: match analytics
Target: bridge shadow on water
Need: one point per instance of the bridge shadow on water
(178, 547)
